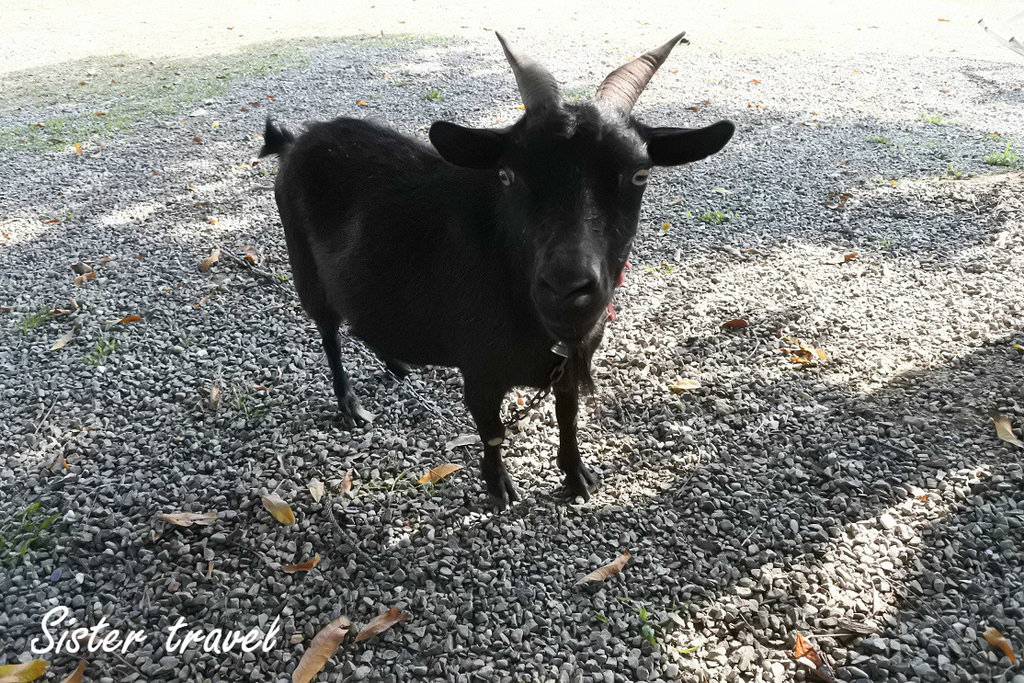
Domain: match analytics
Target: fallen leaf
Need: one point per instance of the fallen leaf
(684, 385)
(278, 509)
(323, 646)
(190, 518)
(804, 354)
(213, 401)
(610, 569)
(849, 257)
(943, 19)
(197, 139)
(997, 639)
(250, 254)
(462, 440)
(316, 489)
(1003, 429)
(754, 80)
(208, 262)
(129, 319)
(211, 220)
(303, 566)
(665, 226)
(107, 259)
(438, 473)
(805, 654)
(736, 324)
(837, 200)
(23, 673)
(382, 623)
(63, 341)
(81, 279)
(78, 149)
(76, 675)
(346, 483)
(362, 103)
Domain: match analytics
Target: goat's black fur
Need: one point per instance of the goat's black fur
(479, 254)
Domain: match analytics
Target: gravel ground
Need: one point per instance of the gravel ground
(863, 501)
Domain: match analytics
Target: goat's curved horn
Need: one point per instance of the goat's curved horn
(537, 86)
(624, 85)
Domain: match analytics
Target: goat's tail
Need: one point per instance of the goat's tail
(276, 138)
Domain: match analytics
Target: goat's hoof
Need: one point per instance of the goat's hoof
(502, 492)
(578, 484)
(353, 413)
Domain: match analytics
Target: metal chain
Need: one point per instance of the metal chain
(519, 413)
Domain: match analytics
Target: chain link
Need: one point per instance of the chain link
(519, 413)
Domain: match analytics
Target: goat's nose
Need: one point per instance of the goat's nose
(576, 291)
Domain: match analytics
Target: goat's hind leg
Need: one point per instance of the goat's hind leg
(348, 404)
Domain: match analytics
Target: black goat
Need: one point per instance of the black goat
(492, 254)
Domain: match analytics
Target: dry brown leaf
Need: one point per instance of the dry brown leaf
(63, 341)
(208, 262)
(320, 650)
(51, 221)
(303, 566)
(76, 675)
(78, 149)
(849, 257)
(23, 673)
(1003, 429)
(803, 353)
(736, 324)
(213, 402)
(346, 483)
(129, 319)
(997, 639)
(805, 654)
(682, 385)
(190, 518)
(837, 200)
(251, 255)
(316, 489)
(440, 472)
(107, 259)
(382, 623)
(278, 509)
(362, 103)
(610, 569)
(80, 280)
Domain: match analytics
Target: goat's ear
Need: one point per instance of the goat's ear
(674, 146)
(468, 147)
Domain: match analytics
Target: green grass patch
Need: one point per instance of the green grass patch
(715, 217)
(99, 98)
(100, 351)
(879, 140)
(433, 96)
(24, 532)
(935, 119)
(1006, 158)
(34, 320)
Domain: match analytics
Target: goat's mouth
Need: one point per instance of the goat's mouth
(572, 326)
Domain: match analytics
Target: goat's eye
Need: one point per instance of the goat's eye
(640, 177)
(506, 176)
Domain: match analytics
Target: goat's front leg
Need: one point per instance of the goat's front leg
(579, 481)
(485, 406)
